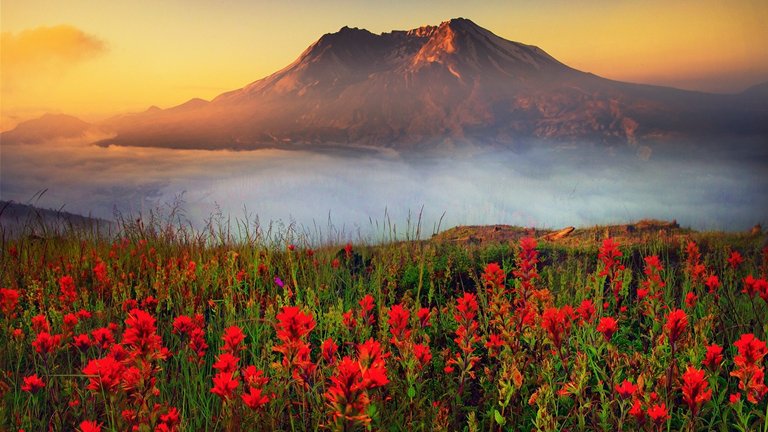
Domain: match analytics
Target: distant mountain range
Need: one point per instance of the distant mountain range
(453, 83)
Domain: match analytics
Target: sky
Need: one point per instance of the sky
(94, 59)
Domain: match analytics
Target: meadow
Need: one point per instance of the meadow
(166, 330)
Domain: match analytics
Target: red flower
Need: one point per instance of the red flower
(68, 290)
(232, 338)
(32, 384)
(40, 324)
(46, 343)
(293, 324)
(695, 389)
(677, 321)
(197, 342)
(557, 322)
(637, 411)
(140, 333)
(423, 354)
(609, 254)
(171, 418)
(713, 283)
(607, 326)
(226, 362)
(183, 325)
(494, 344)
(349, 319)
(466, 308)
(735, 260)
(224, 385)
(690, 299)
(586, 310)
(493, 275)
(398, 323)
(90, 426)
(102, 337)
(254, 399)
(104, 373)
(713, 357)
(658, 413)
(9, 300)
(254, 377)
(751, 350)
(328, 349)
(626, 389)
(81, 341)
(366, 306)
(424, 315)
(734, 398)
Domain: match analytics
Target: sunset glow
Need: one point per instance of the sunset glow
(95, 59)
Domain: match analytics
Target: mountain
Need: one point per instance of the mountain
(47, 127)
(453, 83)
(23, 219)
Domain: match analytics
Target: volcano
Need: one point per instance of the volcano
(452, 83)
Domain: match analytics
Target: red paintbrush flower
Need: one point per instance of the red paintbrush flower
(735, 260)
(90, 426)
(9, 300)
(626, 389)
(712, 283)
(328, 349)
(713, 357)
(254, 398)
(493, 275)
(658, 413)
(32, 384)
(695, 389)
(104, 374)
(232, 338)
(226, 362)
(293, 324)
(608, 326)
(224, 385)
(68, 290)
(102, 337)
(424, 315)
(45, 343)
(366, 309)
(422, 354)
(586, 310)
(677, 321)
(140, 334)
(398, 323)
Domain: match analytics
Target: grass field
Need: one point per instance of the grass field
(160, 330)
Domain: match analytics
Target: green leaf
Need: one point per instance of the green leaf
(499, 418)
(411, 392)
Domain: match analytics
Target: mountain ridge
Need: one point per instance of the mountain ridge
(413, 89)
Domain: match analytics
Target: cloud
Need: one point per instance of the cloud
(543, 187)
(44, 50)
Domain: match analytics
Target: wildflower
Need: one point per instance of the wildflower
(690, 299)
(328, 349)
(526, 272)
(557, 322)
(348, 250)
(83, 314)
(695, 389)
(713, 356)
(9, 300)
(32, 384)
(398, 323)
(171, 419)
(626, 389)
(424, 315)
(149, 303)
(45, 343)
(677, 321)
(349, 320)
(734, 398)
(102, 337)
(140, 333)
(607, 326)
(232, 338)
(637, 411)
(712, 283)
(609, 254)
(104, 374)
(586, 310)
(735, 260)
(40, 324)
(749, 369)
(197, 342)
(68, 290)
(279, 282)
(81, 341)
(658, 413)
(335, 263)
(224, 385)
(183, 324)
(751, 350)
(293, 324)
(254, 399)
(90, 426)
(366, 306)
(423, 354)
(254, 377)
(70, 321)
(493, 275)
(226, 362)
(494, 344)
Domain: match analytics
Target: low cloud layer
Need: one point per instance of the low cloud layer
(545, 186)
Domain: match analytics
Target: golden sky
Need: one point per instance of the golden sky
(95, 58)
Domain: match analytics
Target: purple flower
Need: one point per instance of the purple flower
(279, 282)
